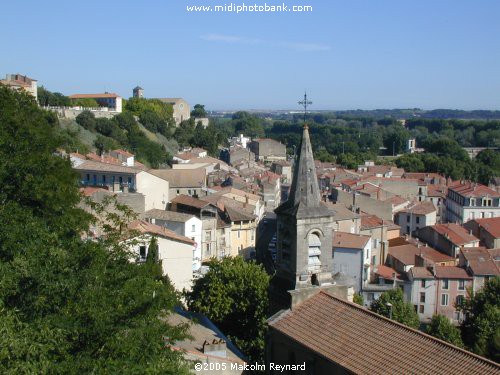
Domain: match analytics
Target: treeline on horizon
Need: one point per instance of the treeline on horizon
(351, 141)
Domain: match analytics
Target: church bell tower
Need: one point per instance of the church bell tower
(304, 227)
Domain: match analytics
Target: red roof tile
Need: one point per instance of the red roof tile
(349, 240)
(363, 342)
(455, 233)
(145, 227)
(491, 225)
(447, 272)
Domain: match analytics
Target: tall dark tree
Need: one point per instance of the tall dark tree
(68, 305)
(481, 327)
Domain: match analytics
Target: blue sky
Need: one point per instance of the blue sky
(348, 54)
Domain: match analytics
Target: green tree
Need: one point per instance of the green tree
(441, 327)
(358, 298)
(481, 326)
(233, 294)
(87, 120)
(391, 304)
(68, 305)
(152, 256)
(247, 124)
(85, 102)
(198, 111)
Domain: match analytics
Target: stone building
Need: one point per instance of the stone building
(20, 82)
(138, 92)
(181, 109)
(268, 150)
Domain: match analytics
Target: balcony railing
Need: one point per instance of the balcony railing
(109, 185)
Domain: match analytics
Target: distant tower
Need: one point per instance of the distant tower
(138, 92)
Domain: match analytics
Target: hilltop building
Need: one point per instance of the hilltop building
(138, 92)
(20, 82)
(110, 100)
(181, 107)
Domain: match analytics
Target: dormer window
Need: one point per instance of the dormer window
(472, 202)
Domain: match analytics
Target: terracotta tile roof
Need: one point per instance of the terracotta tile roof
(94, 96)
(241, 193)
(167, 215)
(123, 152)
(97, 166)
(480, 261)
(189, 201)
(387, 272)
(454, 233)
(144, 227)
(447, 272)
(103, 159)
(421, 273)
(88, 191)
(349, 241)
(436, 191)
(420, 208)
(491, 225)
(363, 342)
(397, 200)
(194, 178)
(406, 254)
(471, 189)
(373, 221)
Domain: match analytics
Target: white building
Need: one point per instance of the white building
(351, 257)
(119, 178)
(416, 216)
(468, 201)
(182, 224)
(20, 82)
(111, 101)
(174, 251)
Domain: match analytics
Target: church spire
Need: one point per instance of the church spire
(305, 187)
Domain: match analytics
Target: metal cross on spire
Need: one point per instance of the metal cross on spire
(305, 103)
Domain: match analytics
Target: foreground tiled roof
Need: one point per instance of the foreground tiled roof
(363, 342)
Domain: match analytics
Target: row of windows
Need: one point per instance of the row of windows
(445, 284)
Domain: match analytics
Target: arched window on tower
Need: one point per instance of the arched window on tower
(314, 243)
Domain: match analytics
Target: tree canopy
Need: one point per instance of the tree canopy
(68, 305)
(481, 327)
(233, 294)
(400, 311)
(441, 328)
